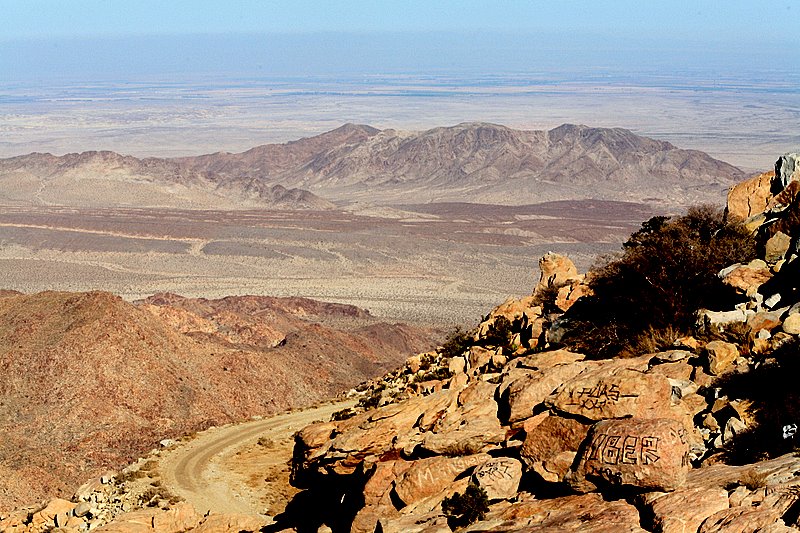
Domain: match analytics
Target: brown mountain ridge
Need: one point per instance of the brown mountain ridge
(476, 162)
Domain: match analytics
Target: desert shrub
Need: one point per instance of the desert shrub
(753, 480)
(772, 389)
(546, 298)
(738, 333)
(437, 374)
(653, 340)
(456, 343)
(373, 400)
(464, 509)
(344, 414)
(499, 333)
(665, 273)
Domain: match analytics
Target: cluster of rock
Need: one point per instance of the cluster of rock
(131, 501)
(626, 443)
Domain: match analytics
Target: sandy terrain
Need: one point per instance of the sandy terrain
(241, 468)
(440, 265)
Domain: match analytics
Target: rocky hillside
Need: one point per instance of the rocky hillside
(503, 429)
(91, 381)
(108, 179)
(478, 162)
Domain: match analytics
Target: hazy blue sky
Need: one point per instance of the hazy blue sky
(107, 38)
(721, 18)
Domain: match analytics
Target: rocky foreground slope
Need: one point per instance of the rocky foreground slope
(504, 430)
(90, 381)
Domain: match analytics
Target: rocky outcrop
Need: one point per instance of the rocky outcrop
(652, 425)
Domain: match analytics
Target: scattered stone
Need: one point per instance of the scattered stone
(685, 509)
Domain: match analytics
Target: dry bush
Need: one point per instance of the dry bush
(666, 272)
(652, 340)
(753, 480)
(457, 342)
(464, 509)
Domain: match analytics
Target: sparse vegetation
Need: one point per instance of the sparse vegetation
(344, 414)
(499, 333)
(437, 374)
(753, 480)
(464, 509)
(667, 270)
(372, 400)
(457, 342)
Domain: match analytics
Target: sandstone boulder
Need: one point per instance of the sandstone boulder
(427, 477)
(499, 477)
(545, 445)
(750, 197)
(721, 356)
(776, 247)
(530, 389)
(613, 391)
(587, 513)
(746, 278)
(232, 523)
(556, 270)
(791, 324)
(647, 454)
(685, 509)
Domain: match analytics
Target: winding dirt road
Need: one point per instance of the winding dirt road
(195, 470)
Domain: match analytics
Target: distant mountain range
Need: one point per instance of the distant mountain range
(475, 162)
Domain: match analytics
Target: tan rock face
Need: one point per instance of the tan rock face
(587, 513)
(685, 509)
(776, 247)
(614, 392)
(791, 324)
(530, 389)
(499, 477)
(556, 270)
(427, 477)
(721, 356)
(549, 439)
(746, 279)
(647, 454)
(750, 197)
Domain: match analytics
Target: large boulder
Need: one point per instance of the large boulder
(586, 513)
(614, 391)
(750, 197)
(648, 454)
(427, 477)
(685, 509)
(499, 477)
(787, 169)
(530, 389)
(551, 445)
(556, 270)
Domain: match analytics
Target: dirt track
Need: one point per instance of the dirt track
(196, 472)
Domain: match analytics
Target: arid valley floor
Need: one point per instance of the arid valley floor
(442, 264)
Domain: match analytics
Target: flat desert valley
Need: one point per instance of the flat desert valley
(442, 264)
